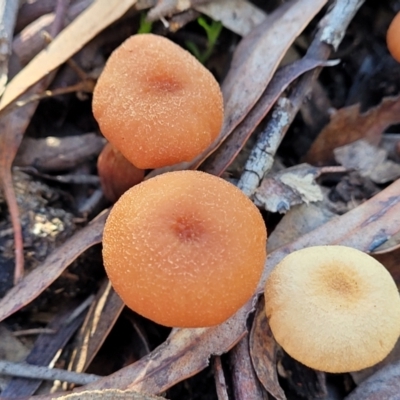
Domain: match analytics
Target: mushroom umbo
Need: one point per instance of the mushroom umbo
(156, 103)
(333, 308)
(184, 249)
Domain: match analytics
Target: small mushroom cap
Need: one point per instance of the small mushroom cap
(184, 249)
(156, 103)
(116, 173)
(393, 37)
(333, 308)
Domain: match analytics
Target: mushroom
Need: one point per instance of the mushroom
(156, 103)
(393, 37)
(116, 173)
(333, 308)
(184, 249)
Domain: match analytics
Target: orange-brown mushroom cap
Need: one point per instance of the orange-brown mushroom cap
(156, 103)
(333, 308)
(116, 173)
(184, 249)
(393, 37)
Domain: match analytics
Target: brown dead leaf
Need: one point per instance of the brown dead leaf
(385, 384)
(109, 394)
(85, 27)
(254, 63)
(280, 191)
(348, 125)
(370, 161)
(187, 351)
(41, 277)
(298, 221)
(263, 349)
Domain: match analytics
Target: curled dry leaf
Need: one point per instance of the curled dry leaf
(85, 27)
(348, 125)
(370, 161)
(296, 185)
(41, 277)
(263, 350)
(298, 221)
(254, 63)
(384, 384)
(187, 351)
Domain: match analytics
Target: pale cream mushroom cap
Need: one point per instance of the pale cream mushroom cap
(333, 308)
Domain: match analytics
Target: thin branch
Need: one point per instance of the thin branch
(24, 370)
(332, 29)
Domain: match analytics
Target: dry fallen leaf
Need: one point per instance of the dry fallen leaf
(85, 27)
(263, 350)
(292, 186)
(370, 161)
(348, 125)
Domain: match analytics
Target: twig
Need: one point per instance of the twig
(79, 310)
(246, 385)
(24, 370)
(34, 331)
(331, 32)
(220, 382)
(60, 13)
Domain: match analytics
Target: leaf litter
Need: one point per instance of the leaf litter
(251, 88)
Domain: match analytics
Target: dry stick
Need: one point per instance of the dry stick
(245, 383)
(220, 382)
(8, 16)
(331, 32)
(24, 370)
(60, 13)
